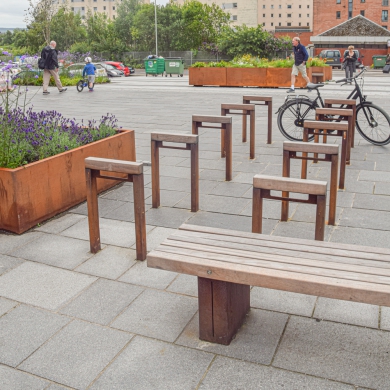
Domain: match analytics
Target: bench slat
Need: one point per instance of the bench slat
(211, 119)
(334, 111)
(119, 166)
(324, 125)
(310, 148)
(276, 279)
(238, 106)
(175, 137)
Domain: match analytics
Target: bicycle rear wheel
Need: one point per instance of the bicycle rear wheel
(373, 123)
(292, 116)
(80, 85)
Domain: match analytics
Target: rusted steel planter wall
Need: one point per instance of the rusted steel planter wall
(38, 191)
(251, 77)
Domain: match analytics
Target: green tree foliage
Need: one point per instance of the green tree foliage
(6, 38)
(124, 21)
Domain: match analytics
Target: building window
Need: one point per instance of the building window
(308, 15)
(288, 5)
(234, 17)
(263, 6)
(272, 24)
(300, 6)
(113, 8)
(308, 24)
(289, 15)
(234, 5)
(280, 24)
(338, 14)
(82, 8)
(280, 6)
(288, 24)
(104, 8)
(385, 27)
(385, 15)
(263, 24)
(113, 16)
(385, 2)
(280, 15)
(263, 15)
(362, 13)
(362, 1)
(299, 24)
(308, 6)
(300, 15)
(272, 6)
(272, 15)
(95, 9)
(338, 1)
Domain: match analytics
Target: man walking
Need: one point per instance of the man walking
(300, 57)
(49, 54)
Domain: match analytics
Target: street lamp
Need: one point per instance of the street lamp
(155, 23)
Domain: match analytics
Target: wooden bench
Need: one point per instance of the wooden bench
(245, 110)
(317, 78)
(339, 129)
(266, 101)
(191, 141)
(263, 185)
(133, 172)
(228, 262)
(225, 125)
(331, 154)
(349, 104)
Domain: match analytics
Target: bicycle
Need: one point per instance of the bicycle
(372, 122)
(82, 84)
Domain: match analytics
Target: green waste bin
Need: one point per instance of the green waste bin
(174, 65)
(379, 61)
(154, 66)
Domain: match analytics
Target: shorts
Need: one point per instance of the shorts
(299, 69)
(91, 78)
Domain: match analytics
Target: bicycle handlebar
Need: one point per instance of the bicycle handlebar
(341, 81)
(352, 78)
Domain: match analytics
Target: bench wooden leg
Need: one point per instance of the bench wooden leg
(155, 175)
(244, 119)
(343, 160)
(139, 216)
(223, 307)
(333, 189)
(285, 194)
(320, 218)
(349, 137)
(305, 138)
(93, 211)
(252, 135)
(269, 137)
(229, 151)
(194, 178)
(257, 211)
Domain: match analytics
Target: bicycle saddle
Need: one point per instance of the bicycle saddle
(314, 86)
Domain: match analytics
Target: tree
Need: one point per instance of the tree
(124, 21)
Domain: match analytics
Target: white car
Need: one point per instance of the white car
(77, 70)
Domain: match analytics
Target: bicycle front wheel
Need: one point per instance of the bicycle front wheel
(80, 85)
(373, 123)
(292, 116)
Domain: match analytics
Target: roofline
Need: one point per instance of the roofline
(350, 39)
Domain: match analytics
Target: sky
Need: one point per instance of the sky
(12, 12)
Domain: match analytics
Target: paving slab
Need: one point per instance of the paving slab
(372, 202)
(168, 198)
(184, 284)
(385, 318)
(283, 301)
(58, 251)
(41, 285)
(382, 189)
(58, 224)
(299, 230)
(157, 314)
(8, 262)
(102, 301)
(368, 237)
(111, 262)
(168, 367)
(349, 354)
(256, 341)
(25, 329)
(365, 219)
(168, 217)
(12, 379)
(6, 305)
(227, 373)
(75, 356)
(11, 242)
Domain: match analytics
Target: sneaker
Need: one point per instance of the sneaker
(91, 90)
(46, 92)
(63, 89)
(291, 90)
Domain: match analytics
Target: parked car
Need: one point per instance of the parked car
(128, 70)
(77, 70)
(111, 70)
(359, 62)
(26, 73)
(333, 57)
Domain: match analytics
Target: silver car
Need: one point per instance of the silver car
(77, 70)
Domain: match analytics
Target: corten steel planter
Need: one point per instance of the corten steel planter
(246, 77)
(207, 76)
(327, 70)
(40, 190)
(281, 77)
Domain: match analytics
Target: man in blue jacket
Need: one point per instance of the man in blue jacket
(300, 56)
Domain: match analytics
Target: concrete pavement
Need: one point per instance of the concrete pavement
(70, 319)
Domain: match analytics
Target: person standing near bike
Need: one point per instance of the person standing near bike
(89, 70)
(350, 59)
(300, 57)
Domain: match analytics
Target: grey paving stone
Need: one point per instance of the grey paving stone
(271, 209)
(173, 367)
(58, 251)
(112, 232)
(360, 164)
(363, 187)
(168, 217)
(350, 354)
(365, 219)
(57, 387)
(141, 275)
(382, 166)
(157, 314)
(357, 236)
(25, 329)
(168, 198)
(299, 230)
(175, 184)
(12, 379)
(307, 213)
(231, 189)
(57, 225)
(10, 242)
(77, 354)
(102, 301)
(172, 171)
(232, 374)
(385, 318)
(8, 262)
(124, 212)
(105, 206)
(372, 202)
(354, 313)
(215, 174)
(42, 286)
(185, 284)
(282, 301)
(111, 262)
(179, 161)
(244, 177)
(6, 305)
(124, 193)
(215, 163)
(256, 341)
(156, 236)
(375, 176)
(382, 189)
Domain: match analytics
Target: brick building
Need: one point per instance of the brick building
(330, 13)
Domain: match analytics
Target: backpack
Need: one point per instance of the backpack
(41, 63)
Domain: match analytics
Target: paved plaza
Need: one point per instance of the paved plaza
(73, 320)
